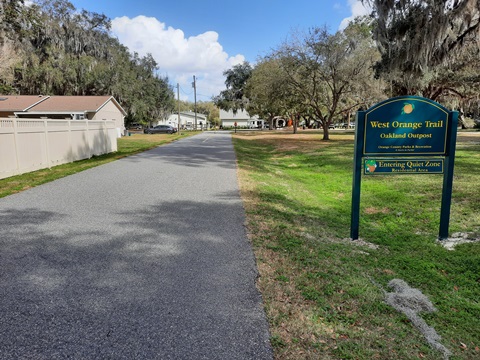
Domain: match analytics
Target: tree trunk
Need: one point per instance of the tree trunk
(326, 135)
(295, 123)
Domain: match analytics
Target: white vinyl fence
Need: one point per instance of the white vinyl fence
(31, 144)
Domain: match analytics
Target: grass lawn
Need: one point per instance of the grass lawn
(128, 145)
(324, 294)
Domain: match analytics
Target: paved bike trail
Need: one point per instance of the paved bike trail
(143, 258)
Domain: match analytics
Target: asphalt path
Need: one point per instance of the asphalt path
(143, 258)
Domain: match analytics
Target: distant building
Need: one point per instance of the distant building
(64, 107)
(242, 118)
(187, 121)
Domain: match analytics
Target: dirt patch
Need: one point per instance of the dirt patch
(304, 140)
(470, 136)
(373, 210)
(347, 241)
(457, 239)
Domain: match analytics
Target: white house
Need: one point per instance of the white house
(187, 121)
(242, 118)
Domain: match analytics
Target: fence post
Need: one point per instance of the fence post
(15, 141)
(89, 143)
(47, 146)
(70, 145)
(105, 136)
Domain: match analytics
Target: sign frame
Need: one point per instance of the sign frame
(416, 124)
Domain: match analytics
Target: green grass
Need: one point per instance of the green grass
(321, 292)
(127, 146)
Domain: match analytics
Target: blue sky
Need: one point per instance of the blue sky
(204, 38)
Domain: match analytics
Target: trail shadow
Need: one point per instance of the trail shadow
(195, 151)
(159, 284)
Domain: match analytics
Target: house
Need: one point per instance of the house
(64, 107)
(187, 121)
(241, 118)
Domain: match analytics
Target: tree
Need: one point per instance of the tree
(10, 15)
(11, 12)
(419, 40)
(149, 98)
(233, 98)
(8, 60)
(209, 109)
(51, 48)
(430, 48)
(416, 35)
(330, 73)
(267, 90)
(64, 46)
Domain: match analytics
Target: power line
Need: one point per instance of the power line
(209, 97)
(184, 92)
(206, 96)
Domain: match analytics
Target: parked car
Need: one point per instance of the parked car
(160, 129)
(135, 126)
(346, 126)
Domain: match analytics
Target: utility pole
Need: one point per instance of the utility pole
(178, 98)
(194, 84)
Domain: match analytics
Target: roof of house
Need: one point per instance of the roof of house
(56, 104)
(191, 114)
(74, 104)
(19, 102)
(240, 115)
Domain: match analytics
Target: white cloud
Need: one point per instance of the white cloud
(357, 9)
(177, 56)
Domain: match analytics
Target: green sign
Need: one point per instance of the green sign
(406, 126)
(405, 135)
(403, 166)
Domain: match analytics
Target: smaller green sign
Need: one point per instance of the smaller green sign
(403, 166)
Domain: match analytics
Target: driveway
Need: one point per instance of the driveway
(143, 258)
